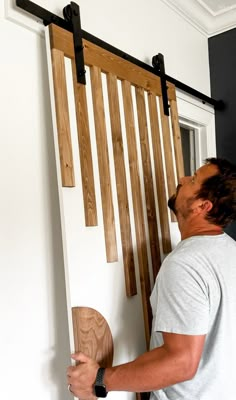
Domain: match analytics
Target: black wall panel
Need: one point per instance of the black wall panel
(222, 55)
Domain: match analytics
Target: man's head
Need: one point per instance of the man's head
(211, 192)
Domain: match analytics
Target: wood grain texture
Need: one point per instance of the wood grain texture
(169, 164)
(109, 62)
(92, 335)
(62, 117)
(159, 173)
(177, 140)
(103, 164)
(137, 207)
(86, 162)
(121, 186)
(148, 182)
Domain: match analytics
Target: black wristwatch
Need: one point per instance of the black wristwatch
(99, 387)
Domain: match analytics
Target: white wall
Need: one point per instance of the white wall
(34, 344)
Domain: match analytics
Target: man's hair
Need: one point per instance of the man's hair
(220, 189)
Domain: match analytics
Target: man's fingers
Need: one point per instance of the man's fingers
(81, 357)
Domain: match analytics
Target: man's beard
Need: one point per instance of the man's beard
(185, 210)
(171, 203)
(172, 200)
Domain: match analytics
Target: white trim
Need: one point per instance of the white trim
(194, 101)
(215, 13)
(185, 14)
(201, 18)
(202, 119)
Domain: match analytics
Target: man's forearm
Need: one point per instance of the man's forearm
(153, 370)
(176, 361)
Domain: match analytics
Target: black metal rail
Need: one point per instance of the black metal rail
(48, 17)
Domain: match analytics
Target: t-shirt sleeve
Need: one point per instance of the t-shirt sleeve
(182, 300)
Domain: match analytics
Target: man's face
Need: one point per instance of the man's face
(183, 201)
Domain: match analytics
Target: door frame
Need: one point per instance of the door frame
(201, 117)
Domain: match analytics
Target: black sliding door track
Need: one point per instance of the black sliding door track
(47, 17)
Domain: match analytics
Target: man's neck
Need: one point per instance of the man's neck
(190, 228)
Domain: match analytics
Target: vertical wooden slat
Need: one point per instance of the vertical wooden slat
(103, 163)
(171, 185)
(177, 140)
(159, 173)
(86, 163)
(121, 186)
(137, 206)
(167, 150)
(63, 121)
(148, 182)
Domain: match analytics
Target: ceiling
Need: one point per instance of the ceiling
(211, 17)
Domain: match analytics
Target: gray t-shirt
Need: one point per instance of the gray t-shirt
(195, 294)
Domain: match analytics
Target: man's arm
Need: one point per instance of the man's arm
(175, 361)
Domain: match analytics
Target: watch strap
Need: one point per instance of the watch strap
(99, 377)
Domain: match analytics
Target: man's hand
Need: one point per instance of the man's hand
(82, 376)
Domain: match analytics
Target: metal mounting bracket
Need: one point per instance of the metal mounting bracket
(159, 65)
(71, 14)
(71, 22)
(46, 16)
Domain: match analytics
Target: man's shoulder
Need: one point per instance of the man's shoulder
(200, 254)
(197, 244)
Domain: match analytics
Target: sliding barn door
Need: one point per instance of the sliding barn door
(118, 160)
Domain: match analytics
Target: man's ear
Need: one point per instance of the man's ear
(206, 206)
(203, 206)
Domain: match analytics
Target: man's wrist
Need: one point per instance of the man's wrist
(100, 389)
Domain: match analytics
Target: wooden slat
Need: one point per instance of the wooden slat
(63, 121)
(121, 186)
(177, 140)
(92, 335)
(159, 173)
(170, 176)
(103, 163)
(138, 208)
(148, 182)
(86, 163)
(108, 62)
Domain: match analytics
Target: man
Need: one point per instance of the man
(193, 348)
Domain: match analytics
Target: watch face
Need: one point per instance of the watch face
(100, 391)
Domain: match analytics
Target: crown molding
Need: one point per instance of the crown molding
(201, 18)
(213, 13)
